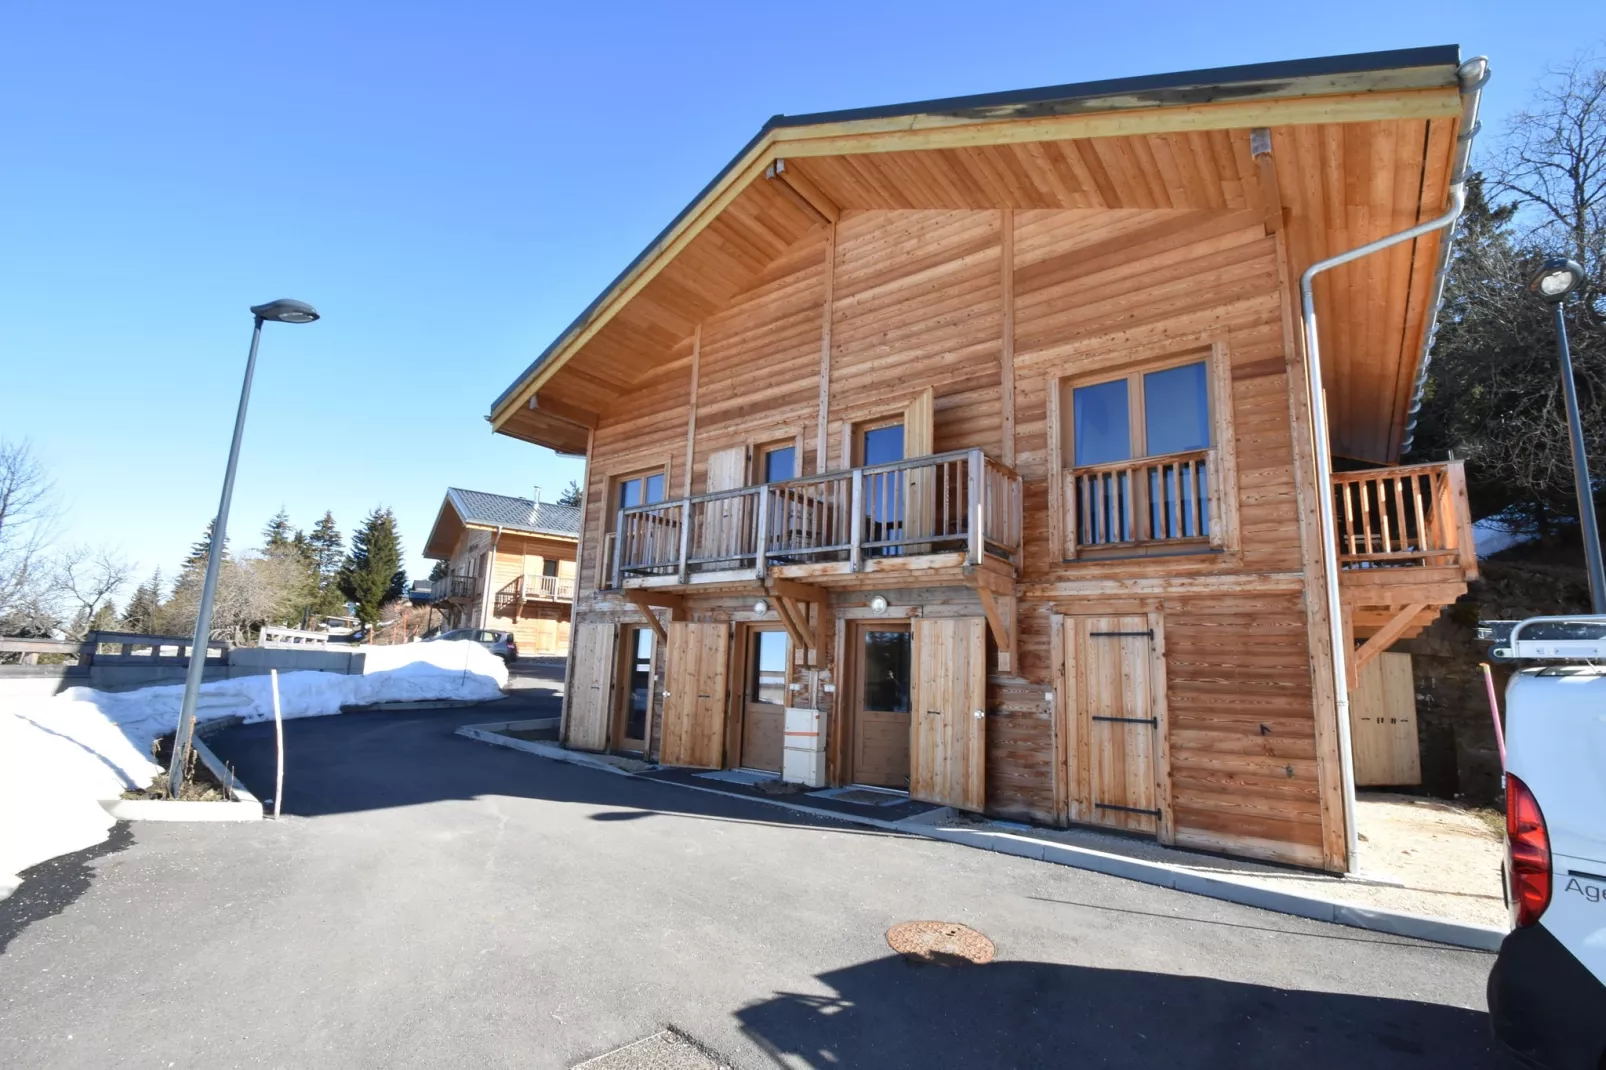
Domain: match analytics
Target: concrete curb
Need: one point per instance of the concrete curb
(241, 806)
(1227, 889)
(421, 704)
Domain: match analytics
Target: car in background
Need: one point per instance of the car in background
(1547, 991)
(502, 644)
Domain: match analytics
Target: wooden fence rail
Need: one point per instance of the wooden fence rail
(1404, 516)
(115, 648)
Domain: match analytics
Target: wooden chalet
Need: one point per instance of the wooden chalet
(981, 425)
(510, 566)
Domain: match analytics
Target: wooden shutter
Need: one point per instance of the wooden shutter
(947, 718)
(590, 685)
(694, 694)
(727, 469)
(919, 424)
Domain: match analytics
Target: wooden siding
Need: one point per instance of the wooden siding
(917, 301)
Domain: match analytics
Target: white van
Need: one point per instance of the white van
(1547, 991)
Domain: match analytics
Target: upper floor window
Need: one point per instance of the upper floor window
(1142, 459)
(1144, 414)
(641, 490)
(778, 463)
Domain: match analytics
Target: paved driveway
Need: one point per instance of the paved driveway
(437, 902)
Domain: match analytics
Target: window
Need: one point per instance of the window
(1172, 406)
(881, 445)
(1140, 449)
(638, 689)
(886, 671)
(549, 566)
(767, 668)
(779, 464)
(641, 490)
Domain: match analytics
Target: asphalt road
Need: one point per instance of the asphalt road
(437, 902)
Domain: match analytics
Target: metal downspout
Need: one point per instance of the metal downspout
(1472, 75)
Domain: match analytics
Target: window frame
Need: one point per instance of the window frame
(1213, 351)
(610, 512)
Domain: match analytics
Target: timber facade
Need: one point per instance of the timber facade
(510, 566)
(982, 427)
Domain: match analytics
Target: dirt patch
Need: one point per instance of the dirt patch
(1447, 855)
(199, 783)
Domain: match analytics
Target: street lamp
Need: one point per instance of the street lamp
(1554, 280)
(282, 311)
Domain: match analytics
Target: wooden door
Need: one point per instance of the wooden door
(766, 660)
(694, 694)
(1113, 720)
(590, 685)
(882, 664)
(948, 733)
(1382, 716)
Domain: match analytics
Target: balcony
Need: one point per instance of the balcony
(534, 588)
(455, 588)
(931, 515)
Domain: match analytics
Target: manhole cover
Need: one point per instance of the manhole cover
(946, 943)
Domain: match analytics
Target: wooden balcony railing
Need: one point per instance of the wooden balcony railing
(1409, 516)
(1148, 501)
(455, 588)
(961, 501)
(534, 588)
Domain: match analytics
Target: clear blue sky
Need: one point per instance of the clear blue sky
(450, 184)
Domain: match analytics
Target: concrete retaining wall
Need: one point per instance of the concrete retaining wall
(42, 681)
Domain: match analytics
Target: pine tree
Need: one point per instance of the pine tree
(105, 618)
(140, 614)
(571, 494)
(278, 533)
(202, 547)
(326, 546)
(373, 574)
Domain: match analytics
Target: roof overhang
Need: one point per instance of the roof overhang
(1412, 84)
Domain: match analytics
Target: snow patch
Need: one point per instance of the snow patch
(60, 756)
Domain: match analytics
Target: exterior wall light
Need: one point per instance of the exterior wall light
(878, 604)
(761, 607)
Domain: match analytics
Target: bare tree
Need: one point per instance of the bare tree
(1553, 160)
(27, 516)
(88, 579)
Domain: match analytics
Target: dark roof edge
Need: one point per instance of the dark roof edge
(1026, 103)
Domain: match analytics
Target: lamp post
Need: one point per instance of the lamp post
(282, 311)
(1557, 278)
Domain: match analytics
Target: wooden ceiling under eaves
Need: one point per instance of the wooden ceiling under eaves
(1340, 184)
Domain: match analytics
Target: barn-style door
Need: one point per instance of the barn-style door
(1113, 722)
(948, 719)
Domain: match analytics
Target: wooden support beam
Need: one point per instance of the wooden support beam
(802, 192)
(798, 592)
(691, 411)
(644, 601)
(820, 448)
(1000, 614)
(562, 410)
(1006, 283)
(1270, 190)
(789, 611)
(1384, 637)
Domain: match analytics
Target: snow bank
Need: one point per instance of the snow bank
(60, 756)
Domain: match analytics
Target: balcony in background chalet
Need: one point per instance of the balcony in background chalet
(534, 587)
(455, 588)
(920, 521)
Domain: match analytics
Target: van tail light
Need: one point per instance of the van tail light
(1528, 852)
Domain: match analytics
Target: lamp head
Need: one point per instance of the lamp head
(1555, 279)
(285, 310)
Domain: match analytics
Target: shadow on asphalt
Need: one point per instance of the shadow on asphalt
(889, 1013)
(371, 761)
(52, 886)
